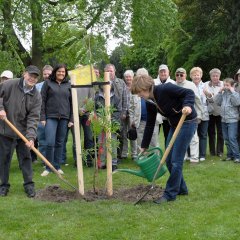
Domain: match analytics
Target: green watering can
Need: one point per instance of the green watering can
(148, 163)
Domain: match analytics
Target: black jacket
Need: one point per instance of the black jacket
(23, 109)
(56, 100)
(170, 100)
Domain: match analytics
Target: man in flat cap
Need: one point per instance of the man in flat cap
(20, 103)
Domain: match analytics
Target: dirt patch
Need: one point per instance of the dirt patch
(54, 193)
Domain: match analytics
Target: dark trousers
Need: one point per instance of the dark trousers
(213, 124)
(88, 141)
(7, 146)
(166, 128)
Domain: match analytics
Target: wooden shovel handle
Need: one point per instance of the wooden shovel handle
(33, 148)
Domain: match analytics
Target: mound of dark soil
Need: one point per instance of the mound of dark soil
(54, 193)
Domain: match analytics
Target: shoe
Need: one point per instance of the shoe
(183, 193)
(194, 161)
(34, 161)
(103, 167)
(45, 173)
(60, 171)
(89, 164)
(227, 159)
(114, 168)
(30, 191)
(160, 200)
(219, 154)
(3, 191)
(237, 160)
(202, 159)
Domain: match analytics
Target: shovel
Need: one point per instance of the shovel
(38, 153)
(165, 155)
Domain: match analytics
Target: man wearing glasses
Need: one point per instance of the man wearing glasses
(181, 81)
(20, 102)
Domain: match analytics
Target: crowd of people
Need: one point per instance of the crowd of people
(142, 105)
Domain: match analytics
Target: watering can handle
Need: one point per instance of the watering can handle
(150, 150)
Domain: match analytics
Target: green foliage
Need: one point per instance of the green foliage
(151, 25)
(62, 31)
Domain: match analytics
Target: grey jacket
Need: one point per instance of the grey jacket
(23, 109)
(213, 108)
(229, 102)
(135, 110)
(120, 90)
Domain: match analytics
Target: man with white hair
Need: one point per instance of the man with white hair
(5, 75)
(163, 77)
(211, 89)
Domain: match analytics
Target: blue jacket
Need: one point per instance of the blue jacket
(170, 100)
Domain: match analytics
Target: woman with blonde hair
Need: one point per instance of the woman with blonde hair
(196, 74)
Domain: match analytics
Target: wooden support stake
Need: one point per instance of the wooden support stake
(107, 88)
(77, 137)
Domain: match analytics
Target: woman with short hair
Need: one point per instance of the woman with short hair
(170, 101)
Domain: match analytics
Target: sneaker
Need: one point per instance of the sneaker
(237, 160)
(3, 191)
(45, 173)
(60, 171)
(30, 191)
(134, 158)
(194, 160)
(202, 159)
(227, 159)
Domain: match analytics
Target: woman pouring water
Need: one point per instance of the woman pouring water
(170, 101)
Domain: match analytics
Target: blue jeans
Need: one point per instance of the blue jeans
(202, 134)
(42, 145)
(55, 133)
(175, 183)
(230, 134)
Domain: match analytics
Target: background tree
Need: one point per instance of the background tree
(29, 20)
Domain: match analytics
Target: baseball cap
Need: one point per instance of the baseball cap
(181, 70)
(163, 67)
(7, 74)
(33, 70)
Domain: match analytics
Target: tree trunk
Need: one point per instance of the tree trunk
(37, 33)
(10, 41)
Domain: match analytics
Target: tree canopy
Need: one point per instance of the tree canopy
(180, 33)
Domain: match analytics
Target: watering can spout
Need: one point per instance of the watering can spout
(138, 173)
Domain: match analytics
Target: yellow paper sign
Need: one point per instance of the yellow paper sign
(83, 75)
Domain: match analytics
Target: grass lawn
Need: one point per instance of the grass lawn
(211, 211)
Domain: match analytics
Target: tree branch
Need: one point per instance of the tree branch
(61, 20)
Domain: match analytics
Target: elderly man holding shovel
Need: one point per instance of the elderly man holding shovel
(20, 103)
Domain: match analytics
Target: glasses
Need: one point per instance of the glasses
(179, 75)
